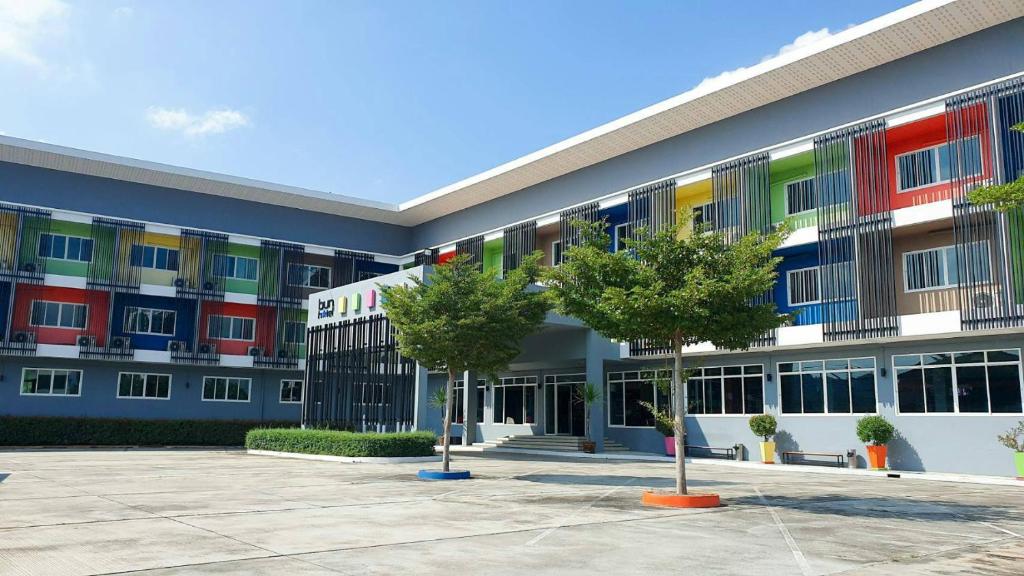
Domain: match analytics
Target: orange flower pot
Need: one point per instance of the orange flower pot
(680, 500)
(876, 457)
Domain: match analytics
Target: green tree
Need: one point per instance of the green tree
(673, 288)
(463, 319)
(1002, 197)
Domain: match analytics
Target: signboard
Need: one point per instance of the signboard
(355, 300)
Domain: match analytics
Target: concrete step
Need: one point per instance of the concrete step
(551, 443)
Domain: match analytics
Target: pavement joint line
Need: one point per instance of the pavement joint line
(914, 557)
(937, 532)
(1011, 533)
(589, 505)
(801, 560)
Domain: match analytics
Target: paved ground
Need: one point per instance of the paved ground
(209, 512)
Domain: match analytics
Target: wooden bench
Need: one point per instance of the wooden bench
(787, 457)
(713, 451)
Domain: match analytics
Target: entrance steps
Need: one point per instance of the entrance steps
(550, 443)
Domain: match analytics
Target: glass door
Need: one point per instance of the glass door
(563, 415)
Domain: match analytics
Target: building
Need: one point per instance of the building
(140, 290)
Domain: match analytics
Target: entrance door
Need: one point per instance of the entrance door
(563, 412)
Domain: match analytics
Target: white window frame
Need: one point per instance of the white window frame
(60, 314)
(227, 385)
(511, 382)
(662, 373)
(704, 208)
(824, 383)
(945, 266)
(785, 197)
(624, 227)
(234, 275)
(956, 396)
(307, 275)
(66, 237)
(743, 376)
(287, 381)
(149, 311)
(156, 250)
(302, 332)
(934, 153)
(789, 286)
(556, 253)
(52, 371)
(210, 324)
(145, 376)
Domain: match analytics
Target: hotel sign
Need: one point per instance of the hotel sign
(354, 300)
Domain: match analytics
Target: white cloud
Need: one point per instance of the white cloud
(123, 12)
(210, 122)
(25, 24)
(805, 39)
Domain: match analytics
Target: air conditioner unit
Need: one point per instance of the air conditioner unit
(208, 285)
(255, 351)
(983, 300)
(120, 342)
(5, 266)
(87, 341)
(24, 337)
(176, 346)
(29, 267)
(179, 282)
(207, 348)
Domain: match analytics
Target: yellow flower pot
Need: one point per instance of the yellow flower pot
(768, 452)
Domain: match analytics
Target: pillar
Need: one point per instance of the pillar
(597, 349)
(468, 408)
(421, 399)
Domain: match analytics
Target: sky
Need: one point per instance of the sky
(384, 100)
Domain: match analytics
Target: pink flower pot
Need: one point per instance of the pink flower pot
(670, 446)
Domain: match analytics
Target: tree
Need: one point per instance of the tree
(463, 319)
(673, 288)
(1002, 197)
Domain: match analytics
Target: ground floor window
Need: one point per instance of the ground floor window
(291, 391)
(726, 390)
(221, 389)
(458, 398)
(628, 391)
(983, 381)
(838, 386)
(515, 400)
(145, 386)
(51, 382)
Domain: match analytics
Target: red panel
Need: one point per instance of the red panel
(266, 329)
(922, 134)
(442, 258)
(96, 315)
(238, 347)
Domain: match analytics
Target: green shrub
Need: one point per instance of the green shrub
(61, 431)
(763, 425)
(663, 420)
(336, 443)
(875, 429)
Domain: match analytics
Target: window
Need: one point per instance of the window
(626, 391)
(838, 281)
(51, 382)
(231, 328)
(58, 314)
(238, 267)
(556, 252)
(309, 276)
(218, 389)
(149, 321)
(704, 214)
(291, 391)
(800, 197)
(985, 382)
(937, 164)
(61, 247)
(840, 386)
(145, 386)
(514, 400)
(294, 332)
(366, 275)
(458, 398)
(155, 257)
(621, 234)
(726, 390)
(938, 267)
(802, 286)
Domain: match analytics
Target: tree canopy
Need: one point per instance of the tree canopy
(1002, 197)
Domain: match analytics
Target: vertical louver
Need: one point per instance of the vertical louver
(346, 266)
(202, 270)
(858, 284)
(519, 241)
(115, 267)
(426, 257)
(568, 232)
(22, 231)
(474, 247)
(284, 282)
(652, 208)
(356, 377)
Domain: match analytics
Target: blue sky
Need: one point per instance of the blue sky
(384, 100)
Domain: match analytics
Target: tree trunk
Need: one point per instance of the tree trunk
(679, 414)
(449, 392)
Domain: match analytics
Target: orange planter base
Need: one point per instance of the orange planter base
(680, 501)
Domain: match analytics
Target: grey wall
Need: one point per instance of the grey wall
(978, 58)
(64, 190)
(99, 392)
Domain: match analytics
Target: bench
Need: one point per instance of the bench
(788, 457)
(712, 451)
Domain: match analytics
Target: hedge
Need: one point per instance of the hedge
(338, 443)
(60, 431)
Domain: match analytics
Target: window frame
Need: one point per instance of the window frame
(556, 253)
(302, 391)
(145, 375)
(742, 376)
(785, 196)
(156, 249)
(619, 238)
(824, 386)
(658, 373)
(50, 256)
(945, 266)
(227, 383)
(789, 286)
(308, 273)
(210, 323)
(934, 154)
(955, 384)
(234, 268)
(128, 309)
(52, 371)
(501, 384)
(60, 314)
(284, 331)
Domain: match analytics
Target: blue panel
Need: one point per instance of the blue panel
(793, 259)
(1011, 112)
(183, 326)
(374, 266)
(5, 294)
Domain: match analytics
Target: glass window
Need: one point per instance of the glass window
(237, 267)
(626, 391)
(621, 234)
(51, 382)
(62, 247)
(144, 386)
(309, 276)
(835, 386)
(155, 257)
(802, 286)
(726, 390)
(515, 400)
(556, 252)
(231, 328)
(291, 391)
(939, 268)
(58, 314)
(221, 389)
(800, 196)
(149, 321)
(986, 382)
(294, 332)
(938, 164)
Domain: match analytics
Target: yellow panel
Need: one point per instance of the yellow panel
(689, 196)
(164, 240)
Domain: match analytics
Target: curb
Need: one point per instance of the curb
(346, 459)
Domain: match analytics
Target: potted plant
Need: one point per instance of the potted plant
(665, 424)
(588, 393)
(878, 431)
(765, 426)
(1014, 440)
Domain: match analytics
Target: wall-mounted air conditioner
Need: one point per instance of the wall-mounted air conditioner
(23, 337)
(176, 346)
(255, 351)
(207, 348)
(87, 341)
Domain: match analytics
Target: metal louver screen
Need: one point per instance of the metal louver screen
(652, 208)
(568, 232)
(519, 241)
(474, 247)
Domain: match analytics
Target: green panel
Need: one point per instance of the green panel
(243, 286)
(64, 267)
(797, 167)
(1016, 232)
(493, 252)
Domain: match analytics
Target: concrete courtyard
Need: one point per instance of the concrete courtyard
(225, 512)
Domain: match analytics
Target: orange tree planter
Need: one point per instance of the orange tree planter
(878, 431)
